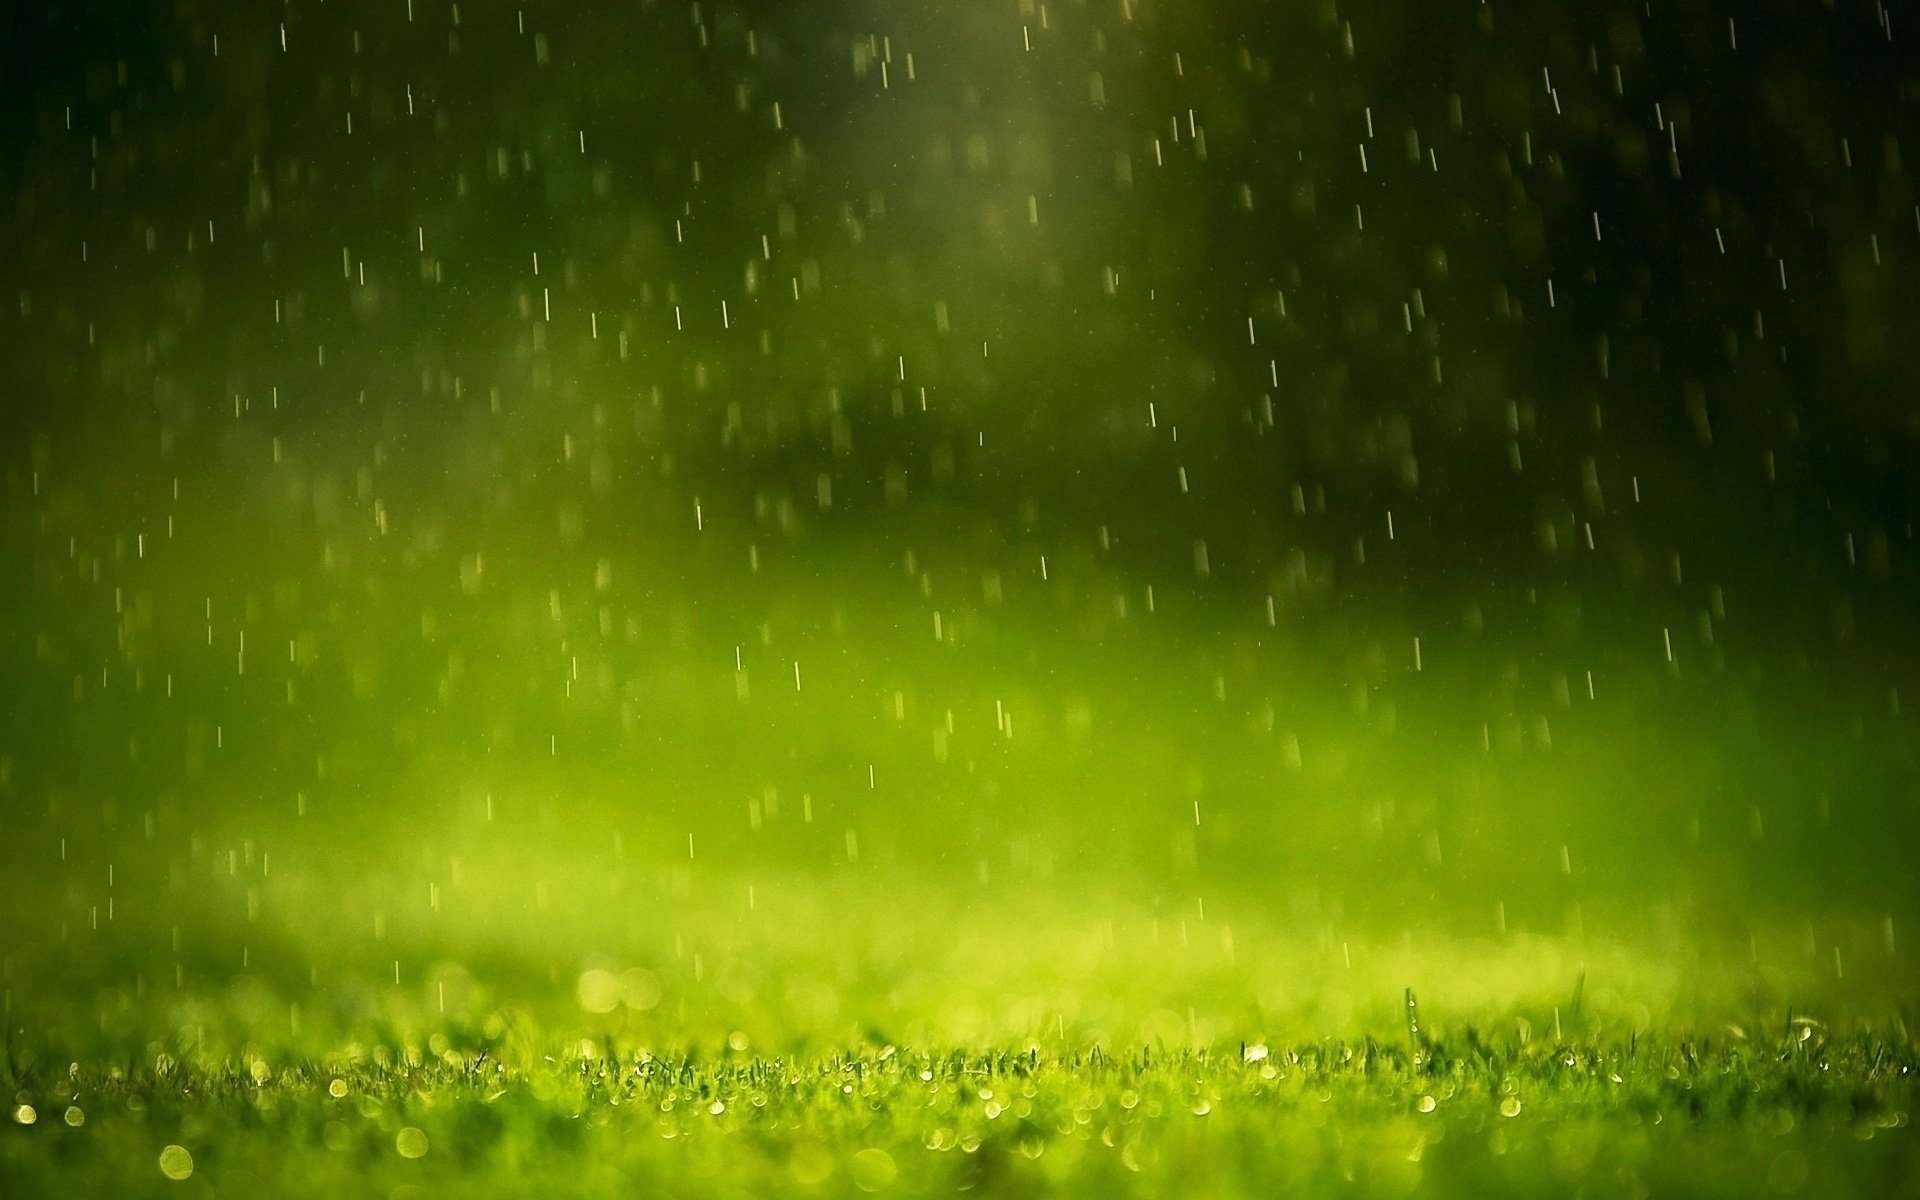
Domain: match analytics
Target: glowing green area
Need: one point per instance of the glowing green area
(672, 1030)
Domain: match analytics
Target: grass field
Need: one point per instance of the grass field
(1158, 944)
(1128, 598)
(1797, 1110)
(877, 1036)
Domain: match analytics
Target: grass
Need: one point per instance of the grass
(851, 1037)
(1802, 1109)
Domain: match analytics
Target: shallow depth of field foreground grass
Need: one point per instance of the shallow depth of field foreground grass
(1797, 1109)
(879, 1037)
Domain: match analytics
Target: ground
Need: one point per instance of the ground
(861, 1039)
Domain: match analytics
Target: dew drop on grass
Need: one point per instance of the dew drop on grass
(411, 1143)
(74, 1117)
(1510, 1107)
(337, 1089)
(24, 1114)
(176, 1163)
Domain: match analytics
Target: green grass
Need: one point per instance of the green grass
(876, 1035)
(1466, 1113)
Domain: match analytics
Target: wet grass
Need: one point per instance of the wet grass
(1802, 1109)
(691, 1035)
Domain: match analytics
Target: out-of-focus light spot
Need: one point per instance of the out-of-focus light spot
(176, 1163)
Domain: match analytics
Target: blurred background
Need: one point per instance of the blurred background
(993, 520)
